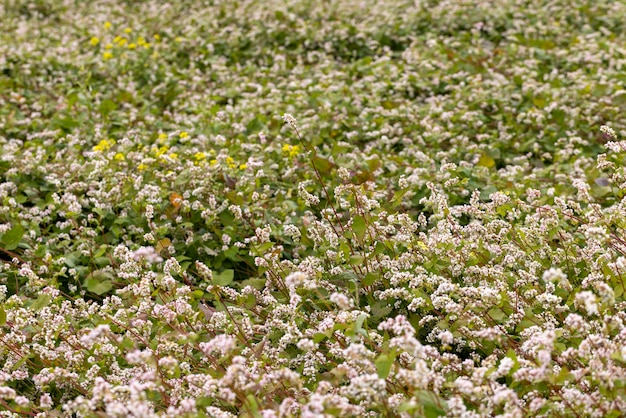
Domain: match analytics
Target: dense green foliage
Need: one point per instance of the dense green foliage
(375, 208)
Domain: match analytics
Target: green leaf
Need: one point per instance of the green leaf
(407, 407)
(41, 302)
(12, 237)
(253, 406)
(126, 343)
(322, 164)
(98, 287)
(380, 309)
(620, 100)
(359, 226)
(227, 218)
(255, 125)
(356, 260)
(106, 107)
(397, 197)
(486, 161)
(99, 282)
(433, 411)
(183, 177)
(370, 278)
(379, 248)
(487, 191)
(261, 249)
(231, 253)
(497, 314)
(3, 316)
(204, 401)
(66, 123)
(102, 261)
(358, 326)
(345, 249)
(384, 363)
(430, 403)
(224, 278)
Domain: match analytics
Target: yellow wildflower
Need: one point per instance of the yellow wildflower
(104, 145)
(94, 41)
(183, 134)
(157, 37)
(132, 46)
(128, 30)
(142, 167)
(119, 157)
(231, 163)
(199, 156)
(162, 138)
(243, 166)
(291, 150)
(107, 55)
(213, 162)
(173, 156)
(108, 46)
(160, 151)
(107, 25)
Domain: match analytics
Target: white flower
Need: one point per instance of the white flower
(608, 131)
(290, 120)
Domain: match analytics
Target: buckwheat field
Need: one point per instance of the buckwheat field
(302, 208)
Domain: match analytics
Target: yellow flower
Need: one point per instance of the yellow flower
(243, 166)
(178, 39)
(183, 134)
(157, 37)
(231, 163)
(107, 25)
(173, 156)
(119, 157)
(108, 46)
(120, 40)
(94, 41)
(160, 151)
(213, 162)
(291, 150)
(141, 41)
(128, 30)
(199, 156)
(104, 145)
(107, 55)
(422, 246)
(132, 46)
(162, 138)
(142, 167)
